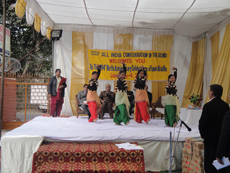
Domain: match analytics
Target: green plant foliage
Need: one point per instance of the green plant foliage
(23, 39)
(195, 98)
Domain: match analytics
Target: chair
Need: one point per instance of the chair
(158, 104)
(80, 111)
(78, 108)
(107, 110)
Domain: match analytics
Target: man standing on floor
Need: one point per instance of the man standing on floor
(81, 96)
(223, 148)
(107, 98)
(210, 125)
(56, 91)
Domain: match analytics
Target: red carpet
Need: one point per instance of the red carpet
(82, 157)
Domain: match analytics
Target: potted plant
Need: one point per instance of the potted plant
(196, 99)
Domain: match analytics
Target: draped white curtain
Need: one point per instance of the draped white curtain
(142, 42)
(180, 58)
(30, 14)
(207, 67)
(43, 28)
(33, 7)
(103, 41)
(208, 63)
(63, 60)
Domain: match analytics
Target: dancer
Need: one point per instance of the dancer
(93, 100)
(141, 98)
(172, 104)
(121, 99)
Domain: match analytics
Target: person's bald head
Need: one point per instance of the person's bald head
(108, 87)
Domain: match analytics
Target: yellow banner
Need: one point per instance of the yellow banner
(157, 63)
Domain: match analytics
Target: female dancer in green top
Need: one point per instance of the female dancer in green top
(172, 105)
(121, 99)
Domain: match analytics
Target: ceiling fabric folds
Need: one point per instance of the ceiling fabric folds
(35, 15)
(113, 30)
(190, 18)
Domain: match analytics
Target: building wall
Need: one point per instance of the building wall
(9, 102)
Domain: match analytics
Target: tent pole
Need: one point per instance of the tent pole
(53, 70)
(3, 63)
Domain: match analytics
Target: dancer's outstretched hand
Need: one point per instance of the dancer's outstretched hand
(98, 65)
(174, 68)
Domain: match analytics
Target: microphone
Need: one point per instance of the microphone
(189, 129)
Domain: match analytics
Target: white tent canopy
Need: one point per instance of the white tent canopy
(100, 22)
(190, 18)
(187, 21)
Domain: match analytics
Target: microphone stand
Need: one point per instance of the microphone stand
(188, 128)
(171, 156)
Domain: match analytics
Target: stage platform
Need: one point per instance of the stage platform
(20, 143)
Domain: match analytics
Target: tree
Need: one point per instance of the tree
(23, 39)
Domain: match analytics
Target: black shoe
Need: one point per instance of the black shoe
(89, 115)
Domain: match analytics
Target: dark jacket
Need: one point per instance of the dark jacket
(121, 83)
(223, 148)
(52, 87)
(172, 89)
(130, 96)
(140, 82)
(150, 96)
(211, 119)
(81, 96)
(94, 86)
(107, 97)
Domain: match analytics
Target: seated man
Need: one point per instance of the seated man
(131, 100)
(107, 98)
(150, 96)
(82, 97)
